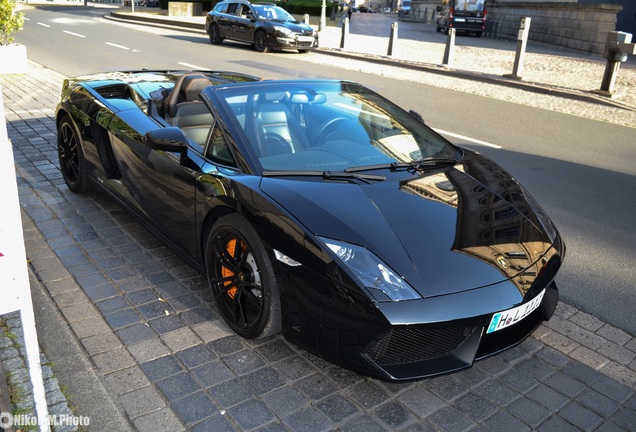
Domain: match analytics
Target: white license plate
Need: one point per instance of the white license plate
(504, 319)
(305, 39)
(460, 20)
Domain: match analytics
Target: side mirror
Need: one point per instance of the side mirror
(417, 115)
(170, 139)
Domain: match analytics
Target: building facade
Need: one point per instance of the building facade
(578, 24)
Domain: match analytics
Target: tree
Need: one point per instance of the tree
(11, 21)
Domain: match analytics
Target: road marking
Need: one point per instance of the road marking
(117, 46)
(43, 25)
(74, 34)
(190, 66)
(471, 140)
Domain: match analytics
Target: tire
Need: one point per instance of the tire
(215, 35)
(260, 41)
(242, 278)
(71, 156)
(478, 34)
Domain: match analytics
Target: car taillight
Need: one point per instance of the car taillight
(451, 13)
(485, 12)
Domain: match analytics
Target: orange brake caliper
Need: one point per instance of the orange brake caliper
(226, 272)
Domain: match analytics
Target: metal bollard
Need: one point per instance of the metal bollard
(306, 19)
(617, 47)
(393, 37)
(449, 51)
(345, 33)
(522, 42)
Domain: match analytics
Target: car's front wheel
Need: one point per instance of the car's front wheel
(71, 156)
(215, 34)
(260, 41)
(242, 278)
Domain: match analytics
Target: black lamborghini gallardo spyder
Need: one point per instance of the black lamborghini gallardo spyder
(321, 210)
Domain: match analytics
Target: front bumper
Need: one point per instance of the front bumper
(415, 351)
(297, 42)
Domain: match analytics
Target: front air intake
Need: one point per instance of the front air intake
(405, 345)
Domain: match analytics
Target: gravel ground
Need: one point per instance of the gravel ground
(544, 64)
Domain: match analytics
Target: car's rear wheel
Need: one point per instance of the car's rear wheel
(215, 34)
(242, 278)
(71, 156)
(260, 41)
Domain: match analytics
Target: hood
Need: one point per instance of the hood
(298, 27)
(464, 228)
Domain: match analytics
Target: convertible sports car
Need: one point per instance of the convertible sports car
(320, 209)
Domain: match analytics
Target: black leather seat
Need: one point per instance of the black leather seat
(279, 131)
(186, 111)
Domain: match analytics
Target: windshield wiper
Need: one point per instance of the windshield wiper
(416, 165)
(326, 175)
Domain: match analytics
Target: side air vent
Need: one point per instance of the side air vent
(114, 91)
(102, 142)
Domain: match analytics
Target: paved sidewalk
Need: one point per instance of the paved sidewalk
(168, 363)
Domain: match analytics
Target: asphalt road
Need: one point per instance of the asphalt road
(582, 171)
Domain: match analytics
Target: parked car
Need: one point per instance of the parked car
(263, 25)
(462, 15)
(320, 209)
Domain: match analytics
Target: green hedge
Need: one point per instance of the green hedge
(294, 7)
(301, 7)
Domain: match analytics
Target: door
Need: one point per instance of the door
(161, 183)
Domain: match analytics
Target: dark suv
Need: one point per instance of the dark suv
(264, 25)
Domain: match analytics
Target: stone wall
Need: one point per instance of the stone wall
(582, 27)
(422, 11)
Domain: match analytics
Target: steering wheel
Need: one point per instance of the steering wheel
(274, 144)
(324, 129)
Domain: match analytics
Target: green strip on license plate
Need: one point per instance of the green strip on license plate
(504, 319)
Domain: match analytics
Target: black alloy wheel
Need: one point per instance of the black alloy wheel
(215, 34)
(71, 158)
(260, 41)
(242, 278)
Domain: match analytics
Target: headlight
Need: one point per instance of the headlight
(283, 30)
(383, 283)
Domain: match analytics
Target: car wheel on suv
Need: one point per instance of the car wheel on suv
(215, 34)
(260, 41)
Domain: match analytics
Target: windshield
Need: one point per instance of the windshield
(328, 126)
(273, 13)
(469, 5)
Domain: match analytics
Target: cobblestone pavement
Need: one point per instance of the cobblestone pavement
(12, 356)
(144, 319)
